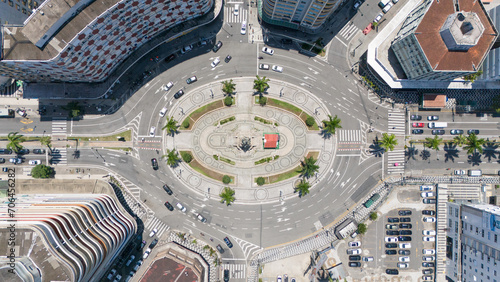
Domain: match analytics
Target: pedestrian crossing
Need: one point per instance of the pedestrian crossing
(154, 222)
(59, 156)
(236, 271)
(396, 122)
(230, 17)
(396, 161)
(348, 31)
(59, 128)
(350, 135)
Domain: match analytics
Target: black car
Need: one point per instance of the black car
(405, 219)
(404, 238)
(417, 131)
(405, 225)
(169, 206)
(170, 58)
(433, 118)
(427, 271)
(178, 94)
(228, 58)
(391, 245)
(428, 264)
(2, 160)
(456, 131)
(354, 264)
(167, 189)
(153, 244)
(226, 275)
(392, 232)
(428, 212)
(473, 131)
(438, 132)
(393, 219)
(404, 252)
(354, 258)
(139, 247)
(228, 243)
(390, 252)
(5, 151)
(404, 212)
(286, 41)
(392, 271)
(23, 152)
(220, 249)
(154, 163)
(429, 201)
(405, 232)
(416, 117)
(217, 46)
(39, 151)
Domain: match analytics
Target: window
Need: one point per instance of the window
(477, 230)
(456, 226)
(449, 222)
(496, 238)
(482, 233)
(451, 211)
(456, 212)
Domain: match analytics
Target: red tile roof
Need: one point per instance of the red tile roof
(271, 140)
(434, 101)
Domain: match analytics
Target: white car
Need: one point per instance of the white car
(426, 187)
(168, 86)
(460, 172)
(404, 259)
(404, 245)
(16, 160)
(277, 68)
(153, 232)
(378, 18)
(427, 194)
(186, 49)
(181, 207)
(429, 239)
(391, 239)
(35, 162)
(267, 51)
(354, 251)
(355, 244)
(429, 219)
(152, 131)
(163, 112)
(118, 278)
(244, 28)
(215, 62)
(429, 232)
(428, 258)
(146, 254)
(402, 265)
(428, 252)
(236, 11)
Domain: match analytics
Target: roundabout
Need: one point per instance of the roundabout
(247, 140)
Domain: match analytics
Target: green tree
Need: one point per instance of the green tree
(228, 87)
(309, 121)
(171, 126)
(362, 228)
(15, 141)
(73, 108)
(228, 101)
(373, 216)
(227, 196)
(474, 144)
(433, 143)
(186, 157)
(260, 84)
(226, 179)
(496, 104)
(309, 167)
(46, 141)
(388, 142)
(331, 125)
(42, 171)
(262, 100)
(261, 180)
(459, 140)
(172, 158)
(303, 188)
(185, 123)
(472, 77)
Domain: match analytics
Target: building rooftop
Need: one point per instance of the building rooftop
(439, 55)
(271, 140)
(434, 101)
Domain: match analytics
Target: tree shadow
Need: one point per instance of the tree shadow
(76, 154)
(375, 148)
(325, 134)
(425, 154)
(451, 152)
(475, 159)
(490, 151)
(411, 152)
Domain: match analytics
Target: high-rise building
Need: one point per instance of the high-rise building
(84, 41)
(443, 40)
(297, 14)
(16, 12)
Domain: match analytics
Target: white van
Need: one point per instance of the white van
(383, 3)
(236, 9)
(437, 125)
(475, 172)
(387, 7)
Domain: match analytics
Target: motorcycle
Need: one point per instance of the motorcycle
(260, 58)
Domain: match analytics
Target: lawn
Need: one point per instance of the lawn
(291, 108)
(194, 164)
(290, 173)
(194, 116)
(125, 134)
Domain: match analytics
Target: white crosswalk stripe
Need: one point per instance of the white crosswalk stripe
(350, 135)
(59, 127)
(247, 247)
(153, 223)
(236, 271)
(393, 158)
(396, 122)
(348, 31)
(59, 156)
(230, 17)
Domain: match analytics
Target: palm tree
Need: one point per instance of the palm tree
(15, 141)
(309, 167)
(212, 252)
(228, 87)
(46, 141)
(172, 158)
(388, 142)
(171, 126)
(303, 188)
(260, 84)
(433, 143)
(460, 140)
(330, 125)
(474, 144)
(227, 196)
(207, 247)
(182, 235)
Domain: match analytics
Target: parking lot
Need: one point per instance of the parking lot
(400, 218)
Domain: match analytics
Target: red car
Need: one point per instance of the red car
(368, 29)
(418, 124)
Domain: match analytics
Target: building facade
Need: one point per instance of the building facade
(443, 40)
(297, 14)
(17, 11)
(84, 41)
